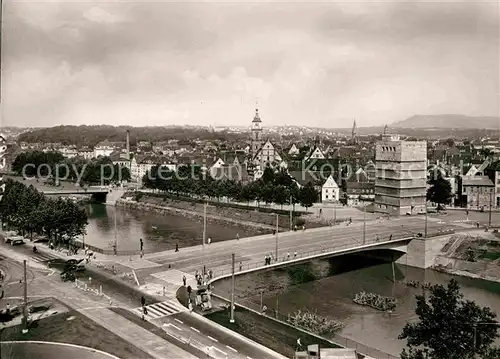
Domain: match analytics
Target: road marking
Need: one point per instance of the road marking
(234, 350)
(179, 321)
(176, 338)
(209, 337)
(196, 330)
(176, 327)
(220, 351)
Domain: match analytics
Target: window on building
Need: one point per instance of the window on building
(326, 196)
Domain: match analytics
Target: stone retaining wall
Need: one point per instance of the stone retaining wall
(220, 217)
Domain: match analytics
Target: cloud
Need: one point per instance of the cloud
(306, 63)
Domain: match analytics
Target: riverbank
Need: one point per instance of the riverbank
(216, 212)
(473, 256)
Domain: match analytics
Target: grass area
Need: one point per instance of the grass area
(492, 256)
(274, 335)
(79, 330)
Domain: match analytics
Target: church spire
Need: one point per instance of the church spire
(386, 129)
(354, 129)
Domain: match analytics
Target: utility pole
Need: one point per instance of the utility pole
(425, 229)
(364, 223)
(204, 224)
(291, 214)
(25, 307)
(232, 289)
(489, 213)
(115, 249)
(277, 229)
(277, 304)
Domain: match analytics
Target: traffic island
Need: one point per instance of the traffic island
(73, 328)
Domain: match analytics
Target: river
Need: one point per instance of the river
(336, 283)
(328, 290)
(159, 232)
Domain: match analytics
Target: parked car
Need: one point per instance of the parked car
(14, 240)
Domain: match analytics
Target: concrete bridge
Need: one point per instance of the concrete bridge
(399, 236)
(104, 195)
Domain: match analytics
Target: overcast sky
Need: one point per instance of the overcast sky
(316, 64)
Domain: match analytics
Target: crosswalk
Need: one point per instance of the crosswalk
(41, 257)
(160, 310)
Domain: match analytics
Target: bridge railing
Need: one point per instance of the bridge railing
(292, 257)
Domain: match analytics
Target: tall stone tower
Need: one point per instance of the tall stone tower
(256, 133)
(401, 176)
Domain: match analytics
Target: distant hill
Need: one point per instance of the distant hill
(449, 121)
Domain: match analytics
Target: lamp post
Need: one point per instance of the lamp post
(425, 229)
(277, 230)
(364, 223)
(489, 212)
(474, 328)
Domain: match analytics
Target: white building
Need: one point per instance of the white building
(316, 154)
(330, 191)
(294, 151)
(103, 150)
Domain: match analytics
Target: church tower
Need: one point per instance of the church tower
(256, 133)
(354, 130)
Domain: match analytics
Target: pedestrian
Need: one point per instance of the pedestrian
(288, 256)
(209, 240)
(295, 255)
(237, 236)
(390, 237)
(210, 274)
(177, 247)
(377, 238)
(189, 290)
(241, 266)
(299, 345)
(184, 280)
(143, 301)
(141, 243)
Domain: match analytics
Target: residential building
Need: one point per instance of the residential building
(293, 151)
(267, 155)
(103, 149)
(401, 176)
(476, 192)
(358, 189)
(493, 173)
(330, 191)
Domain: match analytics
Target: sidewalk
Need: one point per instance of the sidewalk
(141, 338)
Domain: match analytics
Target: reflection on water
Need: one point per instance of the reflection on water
(159, 232)
(331, 295)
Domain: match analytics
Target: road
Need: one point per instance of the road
(13, 350)
(96, 309)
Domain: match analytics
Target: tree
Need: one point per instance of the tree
(439, 190)
(268, 175)
(308, 195)
(445, 328)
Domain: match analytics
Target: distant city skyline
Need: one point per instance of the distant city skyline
(303, 64)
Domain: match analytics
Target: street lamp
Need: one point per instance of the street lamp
(474, 327)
